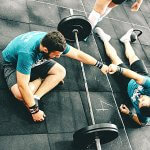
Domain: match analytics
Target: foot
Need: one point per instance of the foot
(102, 34)
(127, 36)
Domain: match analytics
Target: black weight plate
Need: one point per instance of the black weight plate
(79, 22)
(106, 132)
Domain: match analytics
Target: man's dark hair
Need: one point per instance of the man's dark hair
(54, 41)
(145, 111)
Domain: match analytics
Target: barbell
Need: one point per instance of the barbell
(76, 28)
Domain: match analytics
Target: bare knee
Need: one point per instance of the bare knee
(61, 72)
(16, 92)
(58, 70)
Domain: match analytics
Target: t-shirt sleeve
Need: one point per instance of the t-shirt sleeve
(24, 63)
(67, 49)
(140, 117)
(146, 83)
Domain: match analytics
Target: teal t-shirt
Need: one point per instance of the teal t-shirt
(135, 91)
(23, 51)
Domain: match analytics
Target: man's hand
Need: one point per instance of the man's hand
(135, 6)
(104, 69)
(39, 116)
(124, 109)
(112, 68)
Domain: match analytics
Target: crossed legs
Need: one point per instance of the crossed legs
(40, 87)
(55, 75)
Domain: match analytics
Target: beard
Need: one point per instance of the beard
(45, 55)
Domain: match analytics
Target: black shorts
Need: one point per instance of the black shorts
(39, 71)
(118, 1)
(138, 66)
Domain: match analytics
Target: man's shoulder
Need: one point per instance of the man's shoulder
(29, 40)
(29, 36)
(146, 82)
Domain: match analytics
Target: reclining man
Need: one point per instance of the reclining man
(28, 58)
(136, 80)
(103, 7)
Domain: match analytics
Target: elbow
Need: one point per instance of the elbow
(140, 80)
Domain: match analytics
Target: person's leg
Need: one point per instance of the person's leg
(110, 51)
(55, 75)
(136, 64)
(9, 71)
(50, 73)
(108, 10)
(129, 52)
(34, 85)
(99, 9)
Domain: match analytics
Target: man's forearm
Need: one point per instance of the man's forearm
(86, 59)
(132, 75)
(27, 95)
(81, 56)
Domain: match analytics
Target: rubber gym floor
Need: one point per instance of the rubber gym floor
(66, 106)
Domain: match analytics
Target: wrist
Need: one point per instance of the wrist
(99, 64)
(130, 115)
(119, 70)
(34, 109)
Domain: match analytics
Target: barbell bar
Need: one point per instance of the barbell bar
(76, 28)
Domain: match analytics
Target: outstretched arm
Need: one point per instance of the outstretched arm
(85, 58)
(127, 73)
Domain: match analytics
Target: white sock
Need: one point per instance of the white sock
(127, 37)
(35, 96)
(102, 34)
(107, 11)
(93, 18)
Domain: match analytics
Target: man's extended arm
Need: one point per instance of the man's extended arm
(85, 58)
